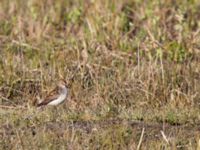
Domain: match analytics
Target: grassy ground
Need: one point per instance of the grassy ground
(135, 68)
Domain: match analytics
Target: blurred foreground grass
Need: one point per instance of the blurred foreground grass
(136, 65)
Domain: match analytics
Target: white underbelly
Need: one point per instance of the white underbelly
(59, 100)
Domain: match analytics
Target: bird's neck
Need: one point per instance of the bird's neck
(63, 90)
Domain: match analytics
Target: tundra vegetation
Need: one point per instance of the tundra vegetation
(133, 68)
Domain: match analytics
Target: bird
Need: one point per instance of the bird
(56, 96)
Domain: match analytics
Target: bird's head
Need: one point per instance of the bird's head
(62, 83)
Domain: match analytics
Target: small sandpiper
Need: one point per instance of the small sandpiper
(57, 96)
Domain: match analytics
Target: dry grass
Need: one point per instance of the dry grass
(136, 70)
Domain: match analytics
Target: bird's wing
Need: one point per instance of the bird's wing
(50, 97)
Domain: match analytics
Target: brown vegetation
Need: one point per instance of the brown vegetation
(131, 61)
